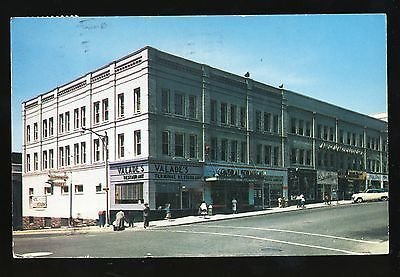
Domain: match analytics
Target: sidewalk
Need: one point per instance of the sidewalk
(173, 222)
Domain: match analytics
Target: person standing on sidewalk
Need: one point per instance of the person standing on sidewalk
(234, 205)
(101, 222)
(146, 214)
(168, 211)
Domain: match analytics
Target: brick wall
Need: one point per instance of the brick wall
(32, 223)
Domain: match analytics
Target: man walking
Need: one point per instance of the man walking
(146, 214)
(234, 205)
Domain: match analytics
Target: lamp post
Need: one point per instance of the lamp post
(104, 140)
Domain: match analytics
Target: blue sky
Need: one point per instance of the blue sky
(340, 59)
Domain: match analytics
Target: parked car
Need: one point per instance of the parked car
(370, 195)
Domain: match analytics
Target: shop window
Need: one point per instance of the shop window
(128, 193)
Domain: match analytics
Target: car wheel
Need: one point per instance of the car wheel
(359, 200)
(384, 198)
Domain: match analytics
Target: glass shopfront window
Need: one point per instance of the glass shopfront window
(128, 193)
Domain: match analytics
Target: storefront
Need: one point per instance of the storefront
(133, 183)
(302, 181)
(377, 181)
(327, 182)
(349, 182)
(253, 188)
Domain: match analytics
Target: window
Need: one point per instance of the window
(308, 129)
(76, 118)
(341, 136)
(61, 156)
(35, 161)
(325, 133)
(233, 115)
(224, 111)
(301, 127)
(332, 134)
(276, 156)
(121, 105)
(61, 123)
(165, 100)
(45, 128)
(319, 131)
(301, 156)
(213, 111)
(213, 150)
(243, 117)
(35, 131)
(104, 104)
(67, 119)
(138, 143)
(165, 142)
(67, 156)
(98, 188)
(233, 152)
(121, 146)
(51, 158)
(76, 153)
(64, 189)
(293, 156)
(96, 112)
(192, 106)
(179, 145)
(28, 133)
(258, 121)
(78, 188)
(31, 191)
(243, 151)
(179, 104)
(83, 152)
(28, 162)
(276, 124)
(192, 146)
(308, 157)
(96, 150)
(105, 148)
(353, 139)
(128, 193)
(293, 125)
(83, 116)
(136, 99)
(258, 153)
(48, 190)
(348, 138)
(267, 122)
(361, 140)
(224, 149)
(44, 159)
(267, 154)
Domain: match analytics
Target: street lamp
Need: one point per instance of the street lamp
(104, 140)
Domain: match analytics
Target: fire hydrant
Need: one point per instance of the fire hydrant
(209, 210)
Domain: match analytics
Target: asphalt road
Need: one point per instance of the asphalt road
(356, 229)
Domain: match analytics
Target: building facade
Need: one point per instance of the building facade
(153, 127)
(16, 182)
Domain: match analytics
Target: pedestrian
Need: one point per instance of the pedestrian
(302, 201)
(103, 215)
(119, 221)
(203, 208)
(168, 211)
(234, 205)
(146, 214)
(298, 201)
(101, 223)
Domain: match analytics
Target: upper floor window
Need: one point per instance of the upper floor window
(293, 128)
(83, 152)
(179, 104)
(192, 146)
(35, 131)
(224, 149)
(67, 156)
(308, 129)
(121, 107)
(165, 142)
(258, 121)
(332, 134)
(179, 145)
(61, 123)
(136, 99)
(67, 121)
(243, 117)
(96, 112)
(76, 118)
(213, 149)
(76, 153)
(44, 160)
(45, 133)
(137, 142)
(105, 109)
(61, 156)
(83, 116)
(233, 115)
(301, 127)
(165, 100)
(267, 122)
(276, 123)
(121, 146)
(224, 113)
(243, 152)
(267, 154)
(51, 158)
(192, 106)
(28, 133)
(28, 162)
(213, 111)
(233, 152)
(276, 156)
(96, 150)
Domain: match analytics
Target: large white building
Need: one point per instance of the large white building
(153, 127)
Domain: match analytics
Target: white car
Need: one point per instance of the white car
(370, 195)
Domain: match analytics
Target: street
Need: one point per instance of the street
(355, 229)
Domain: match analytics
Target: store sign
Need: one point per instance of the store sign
(340, 148)
(233, 173)
(327, 177)
(374, 177)
(39, 201)
(175, 172)
(131, 172)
